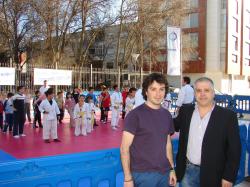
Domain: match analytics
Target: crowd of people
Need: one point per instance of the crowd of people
(49, 109)
(209, 145)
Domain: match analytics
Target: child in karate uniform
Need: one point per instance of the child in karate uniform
(50, 110)
(89, 110)
(79, 114)
(130, 100)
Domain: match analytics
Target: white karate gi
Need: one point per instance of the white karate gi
(80, 125)
(89, 109)
(130, 103)
(50, 119)
(116, 108)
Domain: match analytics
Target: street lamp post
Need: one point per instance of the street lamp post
(134, 59)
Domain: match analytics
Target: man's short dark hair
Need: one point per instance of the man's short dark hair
(115, 86)
(159, 78)
(186, 80)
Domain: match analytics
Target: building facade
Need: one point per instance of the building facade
(218, 31)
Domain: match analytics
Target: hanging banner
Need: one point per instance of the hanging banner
(7, 76)
(53, 76)
(174, 50)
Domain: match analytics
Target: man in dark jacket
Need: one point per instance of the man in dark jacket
(209, 142)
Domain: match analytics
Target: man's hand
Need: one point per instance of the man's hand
(128, 184)
(225, 183)
(172, 178)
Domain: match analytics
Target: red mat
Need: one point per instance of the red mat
(103, 137)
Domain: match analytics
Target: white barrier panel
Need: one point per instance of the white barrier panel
(53, 76)
(7, 76)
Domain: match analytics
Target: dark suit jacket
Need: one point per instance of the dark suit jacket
(221, 148)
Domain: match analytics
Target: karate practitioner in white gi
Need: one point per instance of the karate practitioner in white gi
(50, 110)
(116, 107)
(79, 116)
(89, 109)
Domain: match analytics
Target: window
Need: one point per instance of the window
(235, 22)
(234, 58)
(236, 6)
(194, 20)
(191, 21)
(111, 51)
(248, 17)
(248, 30)
(194, 38)
(223, 4)
(247, 61)
(235, 40)
(194, 3)
(248, 48)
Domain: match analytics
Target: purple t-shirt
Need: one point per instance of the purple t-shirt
(151, 128)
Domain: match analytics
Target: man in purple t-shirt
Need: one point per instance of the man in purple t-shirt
(146, 148)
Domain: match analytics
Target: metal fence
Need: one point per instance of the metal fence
(81, 77)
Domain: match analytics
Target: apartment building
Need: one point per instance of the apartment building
(218, 31)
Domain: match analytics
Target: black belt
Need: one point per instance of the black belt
(190, 163)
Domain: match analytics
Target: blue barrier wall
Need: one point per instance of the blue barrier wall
(91, 169)
(243, 139)
(97, 169)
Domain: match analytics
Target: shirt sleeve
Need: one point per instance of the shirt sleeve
(131, 123)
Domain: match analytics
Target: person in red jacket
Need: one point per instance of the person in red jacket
(105, 103)
(124, 96)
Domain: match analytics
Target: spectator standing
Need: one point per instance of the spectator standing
(37, 113)
(8, 110)
(105, 102)
(44, 88)
(19, 112)
(60, 103)
(76, 94)
(69, 105)
(185, 95)
(27, 101)
(124, 96)
(1, 111)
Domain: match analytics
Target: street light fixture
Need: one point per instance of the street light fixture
(134, 61)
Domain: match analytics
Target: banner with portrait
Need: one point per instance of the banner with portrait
(174, 50)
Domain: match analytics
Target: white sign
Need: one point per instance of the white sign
(7, 76)
(174, 50)
(54, 77)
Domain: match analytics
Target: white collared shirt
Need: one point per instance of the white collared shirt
(139, 100)
(197, 130)
(43, 89)
(185, 96)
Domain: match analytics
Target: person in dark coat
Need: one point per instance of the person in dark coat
(209, 141)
